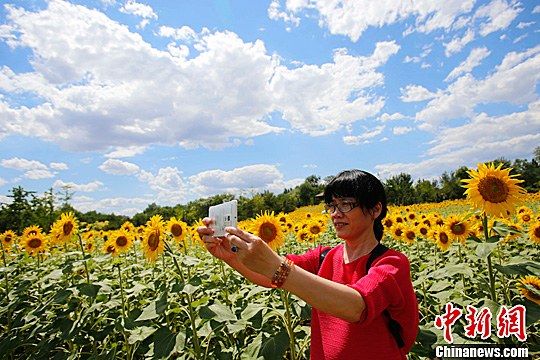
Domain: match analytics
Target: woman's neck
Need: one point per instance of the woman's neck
(357, 248)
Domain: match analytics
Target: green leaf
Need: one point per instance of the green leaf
(275, 346)
(164, 342)
(250, 311)
(53, 275)
(140, 334)
(424, 342)
(89, 290)
(223, 313)
(180, 342)
(532, 312)
(439, 286)
(522, 268)
(252, 350)
(483, 250)
(149, 312)
(62, 296)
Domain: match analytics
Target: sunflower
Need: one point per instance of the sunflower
(64, 228)
(397, 231)
(315, 228)
(109, 248)
(530, 288)
(442, 238)
(128, 226)
(534, 232)
(513, 231)
(153, 239)
(493, 190)
(177, 228)
(422, 230)
(388, 222)
(268, 228)
(409, 234)
(525, 216)
(8, 238)
(457, 228)
(304, 235)
(31, 231)
(34, 243)
(122, 240)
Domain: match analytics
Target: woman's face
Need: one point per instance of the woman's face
(353, 224)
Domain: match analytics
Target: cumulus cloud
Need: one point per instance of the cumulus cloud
(392, 117)
(101, 86)
(401, 130)
(117, 205)
(141, 10)
(458, 43)
(352, 18)
(275, 13)
(499, 15)
(89, 187)
(58, 166)
(413, 93)
(167, 183)
(38, 174)
(473, 60)
(119, 167)
(23, 164)
(128, 151)
(513, 80)
(184, 33)
(363, 138)
(2, 183)
(258, 177)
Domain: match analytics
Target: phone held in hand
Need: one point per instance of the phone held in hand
(223, 215)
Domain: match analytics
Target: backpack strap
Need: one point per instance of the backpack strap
(322, 256)
(393, 325)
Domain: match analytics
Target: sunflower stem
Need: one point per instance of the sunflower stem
(5, 266)
(84, 259)
(490, 266)
(289, 323)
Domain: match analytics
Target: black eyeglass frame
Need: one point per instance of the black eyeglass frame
(331, 208)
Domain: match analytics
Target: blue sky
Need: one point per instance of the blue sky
(130, 102)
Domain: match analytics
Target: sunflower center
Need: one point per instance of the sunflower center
(34, 243)
(398, 232)
(67, 228)
(110, 249)
(388, 222)
(443, 238)
(493, 189)
(526, 217)
(32, 233)
(7, 238)
(458, 228)
(176, 230)
(121, 241)
(410, 235)
(267, 232)
(537, 232)
(423, 231)
(315, 230)
(153, 241)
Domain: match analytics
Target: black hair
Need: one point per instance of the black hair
(365, 188)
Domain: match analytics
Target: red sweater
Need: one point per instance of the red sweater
(386, 286)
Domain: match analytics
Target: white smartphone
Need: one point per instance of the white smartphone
(223, 215)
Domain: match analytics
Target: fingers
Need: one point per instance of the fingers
(244, 235)
(207, 221)
(237, 243)
(203, 230)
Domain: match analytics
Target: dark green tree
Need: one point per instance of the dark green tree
(399, 189)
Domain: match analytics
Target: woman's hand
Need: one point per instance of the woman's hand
(253, 252)
(219, 247)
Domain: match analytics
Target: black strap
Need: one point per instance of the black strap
(393, 325)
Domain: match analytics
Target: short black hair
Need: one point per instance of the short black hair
(365, 188)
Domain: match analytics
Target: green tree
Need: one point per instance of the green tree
(399, 189)
(451, 184)
(426, 191)
(17, 214)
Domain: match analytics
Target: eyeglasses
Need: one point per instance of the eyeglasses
(344, 207)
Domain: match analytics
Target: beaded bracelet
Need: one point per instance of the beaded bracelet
(281, 273)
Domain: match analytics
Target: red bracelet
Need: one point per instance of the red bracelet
(281, 273)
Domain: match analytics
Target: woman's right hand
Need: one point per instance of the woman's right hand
(220, 247)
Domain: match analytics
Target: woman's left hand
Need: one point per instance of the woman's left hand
(253, 252)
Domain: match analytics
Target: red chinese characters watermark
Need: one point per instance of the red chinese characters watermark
(478, 322)
(447, 320)
(510, 321)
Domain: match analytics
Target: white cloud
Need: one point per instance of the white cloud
(118, 205)
(482, 139)
(473, 60)
(167, 183)
(58, 166)
(394, 116)
(274, 13)
(499, 13)
(89, 187)
(119, 167)
(513, 81)
(38, 174)
(413, 59)
(458, 43)
(184, 33)
(309, 166)
(363, 138)
(23, 164)
(401, 130)
(413, 93)
(536, 9)
(352, 18)
(258, 177)
(2, 183)
(320, 100)
(141, 10)
(123, 152)
(523, 25)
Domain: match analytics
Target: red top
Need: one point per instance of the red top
(386, 286)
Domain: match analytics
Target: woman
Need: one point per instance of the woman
(356, 313)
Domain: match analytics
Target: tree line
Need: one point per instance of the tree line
(27, 208)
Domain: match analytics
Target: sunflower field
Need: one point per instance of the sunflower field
(77, 291)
